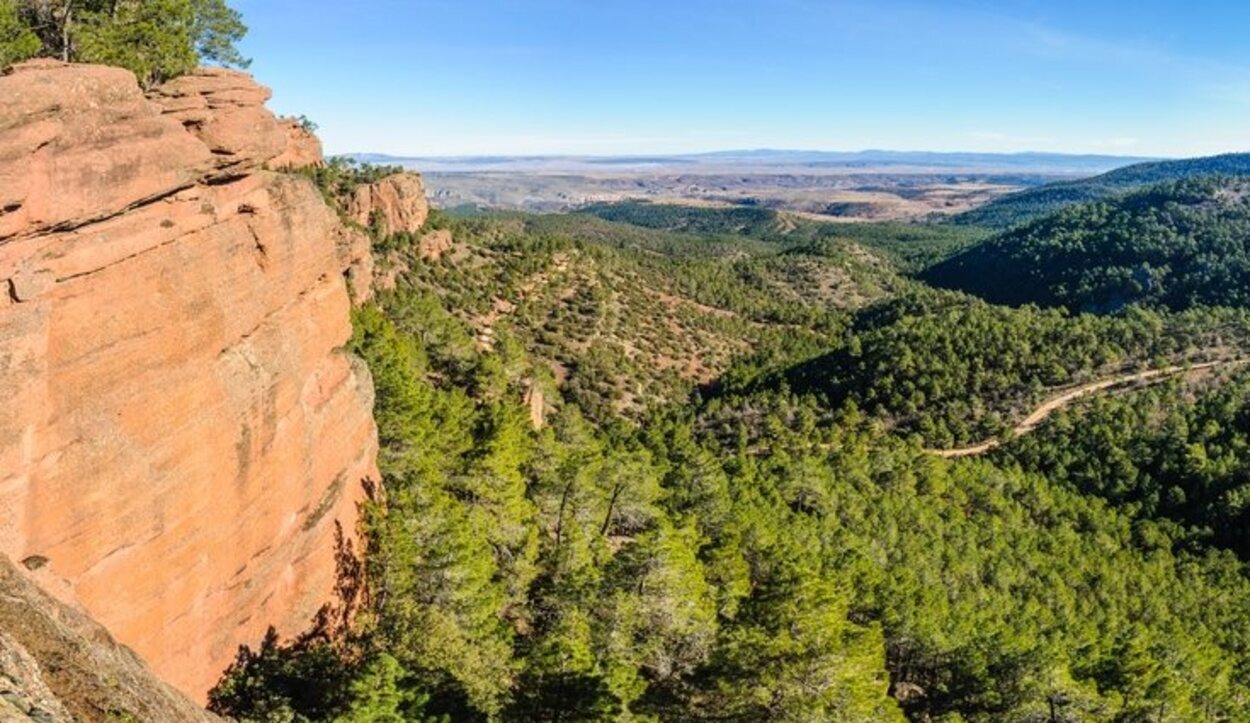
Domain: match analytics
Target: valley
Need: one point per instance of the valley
(861, 196)
(692, 432)
(733, 436)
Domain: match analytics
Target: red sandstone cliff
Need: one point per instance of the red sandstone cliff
(181, 431)
(397, 203)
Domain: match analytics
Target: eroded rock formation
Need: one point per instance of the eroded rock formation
(396, 203)
(434, 244)
(303, 149)
(183, 436)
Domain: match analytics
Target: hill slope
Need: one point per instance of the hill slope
(908, 247)
(1176, 451)
(955, 371)
(1176, 245)
(1035, 203)
(779, 547)
(627, 317)
(57, 665)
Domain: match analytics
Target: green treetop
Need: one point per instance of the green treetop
(155, 39)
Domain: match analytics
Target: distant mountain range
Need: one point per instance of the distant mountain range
(762, 159)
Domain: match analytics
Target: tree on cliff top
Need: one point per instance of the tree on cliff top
(156, 39)
(17, 41)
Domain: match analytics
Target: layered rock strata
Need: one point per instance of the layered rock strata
(184, 440)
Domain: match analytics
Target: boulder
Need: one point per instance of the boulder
(434, 244)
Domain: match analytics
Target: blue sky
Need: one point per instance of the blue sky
(454, 77)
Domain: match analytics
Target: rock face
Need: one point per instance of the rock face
(183, 438)
(434, 244)
(58, 666)
(536, 403)
(356, 253)
(225, 109)
(398, 202)
(303, 149)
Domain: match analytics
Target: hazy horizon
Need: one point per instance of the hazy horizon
(761, 150)
(558, 77)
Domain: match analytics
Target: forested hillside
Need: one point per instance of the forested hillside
(624, 319)
(1034, 203)
(954, 370)
(910, 246)
(1177, 456)
(1176, 245)
(757, 532)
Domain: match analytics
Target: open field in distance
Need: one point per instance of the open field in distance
(866, 186)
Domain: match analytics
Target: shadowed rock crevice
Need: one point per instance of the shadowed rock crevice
(313, 668)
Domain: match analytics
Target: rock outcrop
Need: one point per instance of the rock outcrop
(434, 244)
(183, 438)
(355, 253)
(59, 666)
(396, 203)
(303, 149)
(225, 110)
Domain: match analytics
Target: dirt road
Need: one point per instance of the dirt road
(1064, 398)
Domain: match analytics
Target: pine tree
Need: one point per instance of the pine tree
(155, 39)
(17, 41)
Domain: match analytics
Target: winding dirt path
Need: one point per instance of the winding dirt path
(1063, 399)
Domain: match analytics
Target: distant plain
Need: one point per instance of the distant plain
(858, 186)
